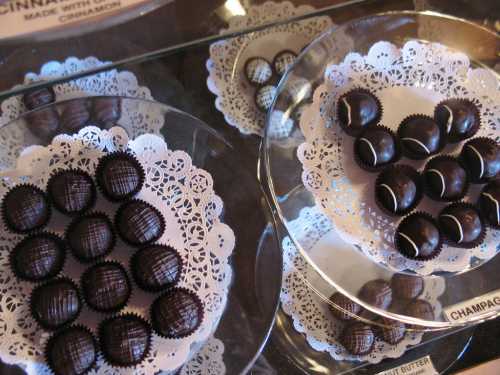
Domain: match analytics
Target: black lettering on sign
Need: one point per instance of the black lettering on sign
(40, 14)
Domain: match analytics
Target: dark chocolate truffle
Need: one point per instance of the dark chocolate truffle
(377, 293)
(460, 118)
(462, 225)
(398, 190)
(39, 97)
(489, 202)
(75, 116)
(418, 237)
(358, 109)
(90, 237)
(106, 287)
(177, 313)
(55, 303)
(481, 157)
(264, 97)
(420, 137)
(258, 71)
(139, 223)
(43, 123)
(125, 340)
(283, 60)
(156, 267)
(71, 191)
(358, 338)
(375, 148)
(420, 309)
(445, 179)
(25, 208)
(120, 176)
(71, 351)
(38, 257)
(106, 111)
(406, 286)
(391, 331)
(343, 308)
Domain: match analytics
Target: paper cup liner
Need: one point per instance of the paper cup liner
(397, 238)
(50, 327)
(10, 226)
(410, 154)
(489, 222)
(354, 131)
(57, 269)
(377, 168)
(427, 186)
(472, 176)
(455, 138)
(416, 178)
(465, 245)
(127, 316)
(63, 210)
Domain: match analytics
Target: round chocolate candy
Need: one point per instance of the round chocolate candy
(283, 60)
(39, 97)
(462, 225)
(177, 313)
(445, 179)
(358, 338)
(489, 202)
(406, 286)
(391, 331)
(358, 109)
(120, 176)
(38, 257)
(106, 111)
(481, 158)
(418, 237)
(75, 116)
(90, 237)
(460, 118)
(377, 293)
(106, 287)
(139, 223)
(258, 71)
(420, 309)
(398, 190)
(343, 308)
(55, 303)
(71, 351)
(125, 340)
(43, 123)
(156, 267)
(25, 208)
(375, 148)
(420, 137)
(264, 97)
(71, 191)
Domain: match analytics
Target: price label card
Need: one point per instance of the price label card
(463, 311)
(421, 366)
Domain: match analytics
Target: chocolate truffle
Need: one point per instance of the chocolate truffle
(377, 293)
(358, 338)
(156, 267)
(375, 148)
(489, 202)
(177, 313)
(39, 97)
(358, 109)
(258, 71)
(75, 116)
(38, 257)
(264, 97)
(445, 179)
(460, 118)
(462, 225)
(55, 303)
(139, 223)
(391, 331)
(25, 208)
(418, 237)
(106, 287)
(125, 340)
(420, 137)
(343, 308)
(43, 123)
(71, 351)
(398, 190)
(420, 309)
(106, 111)
(406, 286)
(120, 176)
(90, 237)
(481, 158)
(283, 60)
(71, 191)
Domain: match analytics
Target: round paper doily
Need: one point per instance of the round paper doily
(310, 314)
(234, 95)
(409, 80)
(183, 193)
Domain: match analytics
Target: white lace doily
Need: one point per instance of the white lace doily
(182, 192)
(409, 80)
(310, 314)
(235, 96)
